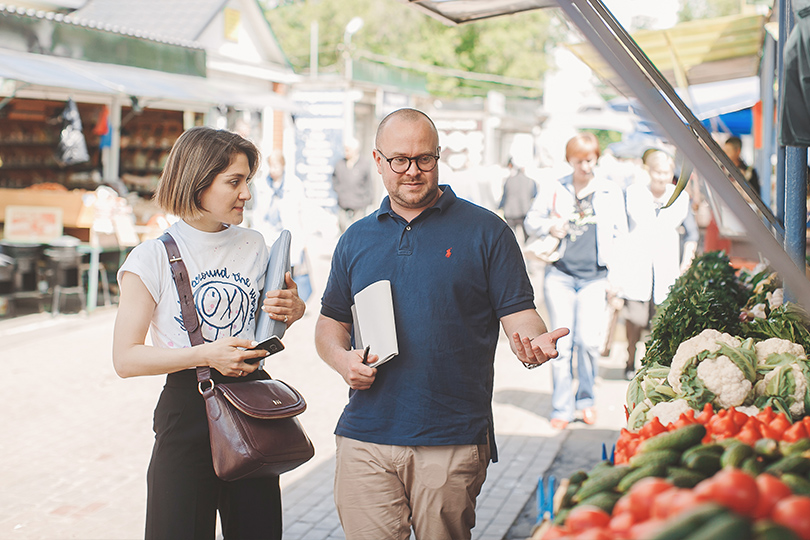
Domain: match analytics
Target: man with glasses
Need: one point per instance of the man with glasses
(415, 439)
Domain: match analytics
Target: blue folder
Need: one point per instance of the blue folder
(277, 266)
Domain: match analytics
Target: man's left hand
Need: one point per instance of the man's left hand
(537, 351)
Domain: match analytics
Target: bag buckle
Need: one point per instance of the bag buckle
(199, 385)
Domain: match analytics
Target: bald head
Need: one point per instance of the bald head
(406, 115)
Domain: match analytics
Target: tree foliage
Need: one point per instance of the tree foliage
(707, 9)
(510, 46)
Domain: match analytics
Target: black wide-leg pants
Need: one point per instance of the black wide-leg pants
(183, 492)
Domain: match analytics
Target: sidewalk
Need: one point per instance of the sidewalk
(77, 442)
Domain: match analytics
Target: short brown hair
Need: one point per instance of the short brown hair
(582, 143)
(197, 157)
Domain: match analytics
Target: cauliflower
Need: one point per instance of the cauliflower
(751, 410)
(786, 383)
(777, 346)
(668, 411)
(708, 340)
(775, 299)
(758, 311)
(713, 367)
(725, 380)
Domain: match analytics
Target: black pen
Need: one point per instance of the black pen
(365, 354)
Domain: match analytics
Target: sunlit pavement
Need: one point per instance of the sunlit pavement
(77, 439)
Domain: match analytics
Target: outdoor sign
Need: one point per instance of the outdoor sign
(318, 142)
(32, 224)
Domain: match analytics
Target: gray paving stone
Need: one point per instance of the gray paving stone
(74, 464)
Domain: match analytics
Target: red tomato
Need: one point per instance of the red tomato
(683, 500)
(706, 414)
(623, 505)
(749, 435)
(620, 523)
(794, 513)
(766, 415)
(682, 421)
(779, 424)
(771, 491)
(642, 495)
(723, 426)
(732, 488)
(586, 517)
(652, 428)
(645, 530)
(769, 433)
(795, 432)
(663, 503)
(594, 533)
(554, 533)
(740, 418)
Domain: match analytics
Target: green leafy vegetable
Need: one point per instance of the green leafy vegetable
(707, 295)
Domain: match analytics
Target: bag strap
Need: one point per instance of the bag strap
(181, 281)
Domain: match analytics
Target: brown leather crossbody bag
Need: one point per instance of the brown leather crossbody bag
(252, 424)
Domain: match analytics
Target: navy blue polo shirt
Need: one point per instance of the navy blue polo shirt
(455, 270)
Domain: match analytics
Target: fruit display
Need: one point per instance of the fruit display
(717, 443)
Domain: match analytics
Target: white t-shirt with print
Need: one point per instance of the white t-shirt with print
(226, 270)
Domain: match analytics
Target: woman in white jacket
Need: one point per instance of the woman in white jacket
(586, 214)
(651, 257)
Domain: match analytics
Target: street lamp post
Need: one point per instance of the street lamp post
(351, 28)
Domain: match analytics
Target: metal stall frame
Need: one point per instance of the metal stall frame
(598, 25)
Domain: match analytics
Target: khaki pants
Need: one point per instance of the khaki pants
(382, 491)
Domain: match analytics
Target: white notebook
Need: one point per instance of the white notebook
(374, 325)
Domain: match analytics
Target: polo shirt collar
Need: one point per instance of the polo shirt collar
(445, 201)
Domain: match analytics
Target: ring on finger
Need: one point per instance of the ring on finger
(286, 318)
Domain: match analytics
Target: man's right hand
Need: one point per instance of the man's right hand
(357, 374)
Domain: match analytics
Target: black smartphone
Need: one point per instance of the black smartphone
(272, 345)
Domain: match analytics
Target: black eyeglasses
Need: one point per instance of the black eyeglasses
(401, 164)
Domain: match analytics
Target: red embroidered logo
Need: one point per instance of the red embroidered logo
(448, 253)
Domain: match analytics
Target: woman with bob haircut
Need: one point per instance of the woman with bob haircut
(586, 213)
(205, 184)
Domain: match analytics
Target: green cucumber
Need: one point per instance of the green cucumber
(678, 440)
(713, 448)
(578, 477)
(567, 500)
(794, 463)
(604, 480)
(708, 464)
(683, 525)
(735, 455)
(797, 484)
(802, 445)
(684, 478)
(605, 500)
(768, 448)
(727, 526)
(765, 529)
(661, 457)
(752, 466)
(654, 469)
(561, 516)
(602, 465)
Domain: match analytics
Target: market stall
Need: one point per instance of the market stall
(718, 436)
(717, 440)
